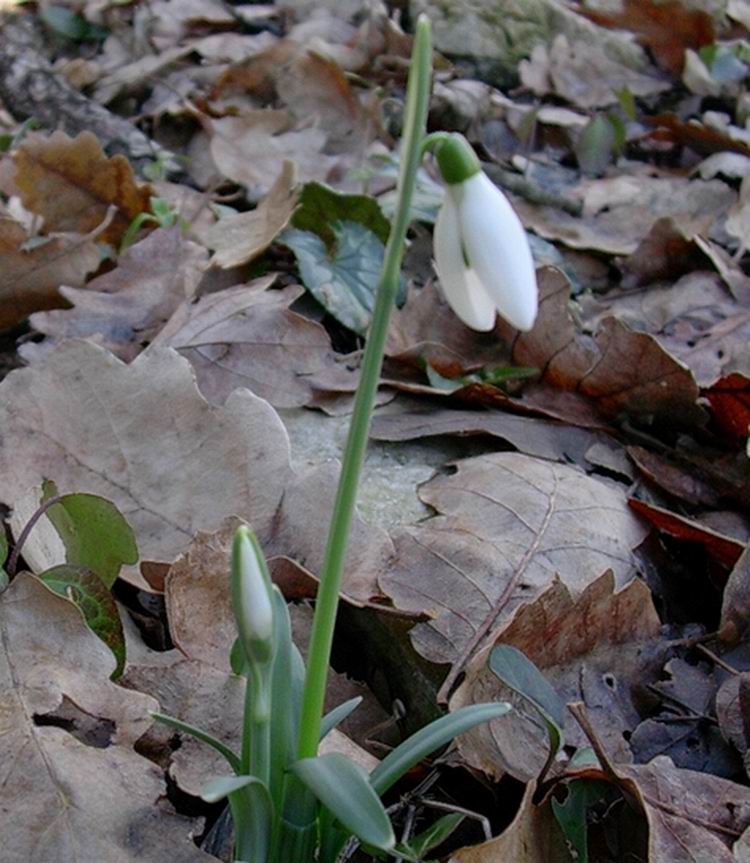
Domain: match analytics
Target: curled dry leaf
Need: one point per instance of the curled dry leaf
(238, 238)
(599, 647)
(249, 337)
(691, 816)
(143, 437)
(724, 549)
(534, 836)
(507, 526)
(125, 308)
(72, 184)
(67, 798)
(620, 371)
(31, 279)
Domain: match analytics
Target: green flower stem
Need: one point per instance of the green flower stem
(256, 736)
(321, 639)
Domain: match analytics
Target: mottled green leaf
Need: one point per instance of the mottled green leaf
(344, 279)
(96, 603)
(319, 206)
(93, 531)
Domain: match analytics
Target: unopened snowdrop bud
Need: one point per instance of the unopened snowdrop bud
(482, 254)
(251, 597)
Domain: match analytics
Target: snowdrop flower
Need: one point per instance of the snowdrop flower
(482, 254)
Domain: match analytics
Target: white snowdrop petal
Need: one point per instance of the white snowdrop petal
(461, 287)
(498, 250)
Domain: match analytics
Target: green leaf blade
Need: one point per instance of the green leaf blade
(343, 787)
(430, 738)
(94, 532)
(344, 279)
(96, 603)
(518, 672)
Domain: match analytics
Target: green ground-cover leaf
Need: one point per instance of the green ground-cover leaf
(344, 279)
(320, 206)
(93, 598)
(94, 532)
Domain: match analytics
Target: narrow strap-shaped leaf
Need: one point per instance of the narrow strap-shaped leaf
(344, 787)
(222, 749)
(430, 738)
(338, 714)
(519, 673)
(252, 813)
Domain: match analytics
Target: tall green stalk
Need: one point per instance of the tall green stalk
(415, 122)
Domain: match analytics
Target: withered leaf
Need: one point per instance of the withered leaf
(31, 279)
(124, 309)
(97, 800)
(508, 526)
(249, 337)
(143, 437)
(72, 184)
(237, 239)
(598, 647)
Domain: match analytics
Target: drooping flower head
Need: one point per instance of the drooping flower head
(482, 254)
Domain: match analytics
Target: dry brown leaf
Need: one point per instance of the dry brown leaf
(67, 798)
(735, 606)
(534, 836)
(30, 279)
(667, 28)
(692, 816)
(427, 328)
(125, 308)
(618, 212)
(537, 437)
(507, 526)
(143, 437)
(599, 648)
(237, 239)
(620, 371)
(724, 549)
(72, 184)
(584, 74)
(252, 148)
(248, 337)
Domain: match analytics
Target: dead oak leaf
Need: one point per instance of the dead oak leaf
(692, 816)
(72, 184)
(143, 437)
(598, 648)
(239, 238)
(620, 371)
(249, 337)
(31, 278)
(125, 308)
(667, 28)
(99, 801)
(252, 148)
(508, 525)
